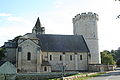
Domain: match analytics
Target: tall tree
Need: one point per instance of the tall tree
(2, 50)
(114, 54)
(107, 58)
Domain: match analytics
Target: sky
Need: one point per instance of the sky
(18, 17)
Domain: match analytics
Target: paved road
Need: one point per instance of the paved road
(114, 75)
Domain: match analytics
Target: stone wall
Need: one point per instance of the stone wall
(86, 24)
(42, 76)
(70, 60)
(24, 64)
(101, 68)
(9, 52)
(70, 65)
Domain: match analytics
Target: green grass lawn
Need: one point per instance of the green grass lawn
(83, 78)
(78, 74)
(87, 77)
(53, 79)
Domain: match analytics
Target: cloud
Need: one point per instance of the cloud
(59, 20)
(5, 14)
(12, 18)
(8, 32)
(16, 19)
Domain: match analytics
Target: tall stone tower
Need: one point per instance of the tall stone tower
(86, 24)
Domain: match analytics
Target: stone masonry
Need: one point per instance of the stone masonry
(86, 24)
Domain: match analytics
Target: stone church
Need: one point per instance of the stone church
(40, 52)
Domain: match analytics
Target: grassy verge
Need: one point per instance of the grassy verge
(55, 79)
(97, 74)
(83, 78)
(79, 74)
(87, 77)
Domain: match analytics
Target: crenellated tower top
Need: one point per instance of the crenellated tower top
(86, 16)
(86, 24)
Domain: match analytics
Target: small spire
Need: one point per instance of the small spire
(38, 24)
(38, 29)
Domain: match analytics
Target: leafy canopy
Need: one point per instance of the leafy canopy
(107, 58)
(2, 53)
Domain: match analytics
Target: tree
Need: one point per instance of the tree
(114, 54)
(117, 0)
(118, 63)
(2, 55)
(107, 58)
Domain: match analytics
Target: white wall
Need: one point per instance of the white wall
(86, 25)
(70, 64)
(28, 65)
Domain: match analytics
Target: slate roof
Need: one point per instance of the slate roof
(7, 68)
(62, 43)
(29, 35)
(2, 62)
(10, 45)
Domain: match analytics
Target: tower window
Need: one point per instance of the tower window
(80, 57)
(28, 56)
(60, 57)
(71, 57)
(50, 57)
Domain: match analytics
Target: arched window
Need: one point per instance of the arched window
(71, 57)
(80, 57)
(60, 57)
(45, 68)
(50, 57)
(28, 56)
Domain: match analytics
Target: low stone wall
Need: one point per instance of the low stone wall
(42, 76)
(101, 68)
(35, 76)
